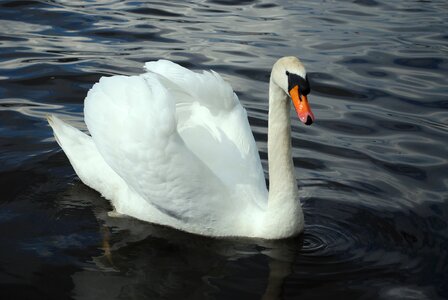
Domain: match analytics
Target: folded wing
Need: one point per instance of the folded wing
(179, 139)
(215, 127)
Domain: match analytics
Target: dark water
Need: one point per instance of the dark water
(372, 170)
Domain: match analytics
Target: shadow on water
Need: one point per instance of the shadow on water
(85, 253)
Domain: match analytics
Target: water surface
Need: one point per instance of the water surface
(372, 169)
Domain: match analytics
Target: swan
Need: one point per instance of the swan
(174, 147)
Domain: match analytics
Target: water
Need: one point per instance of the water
(372, 170)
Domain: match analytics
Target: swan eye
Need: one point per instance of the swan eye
(287, 73)
(294, 79)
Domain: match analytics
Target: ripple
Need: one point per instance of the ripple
(320, 240)
(154, 12)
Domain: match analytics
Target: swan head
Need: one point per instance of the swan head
(289, 74)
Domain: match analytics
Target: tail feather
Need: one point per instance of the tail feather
(88, 163)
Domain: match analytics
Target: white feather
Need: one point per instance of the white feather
(173, 147)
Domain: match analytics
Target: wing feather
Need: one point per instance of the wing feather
(132, 122)
(179, 139)
(214, 125)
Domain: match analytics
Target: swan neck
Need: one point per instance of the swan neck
(282, 181)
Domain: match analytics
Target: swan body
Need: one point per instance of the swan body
(174, 147)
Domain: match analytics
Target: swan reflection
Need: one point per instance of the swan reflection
(142, 260)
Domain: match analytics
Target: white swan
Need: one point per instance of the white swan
(174, 147)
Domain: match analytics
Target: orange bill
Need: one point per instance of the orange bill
(301, 105)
